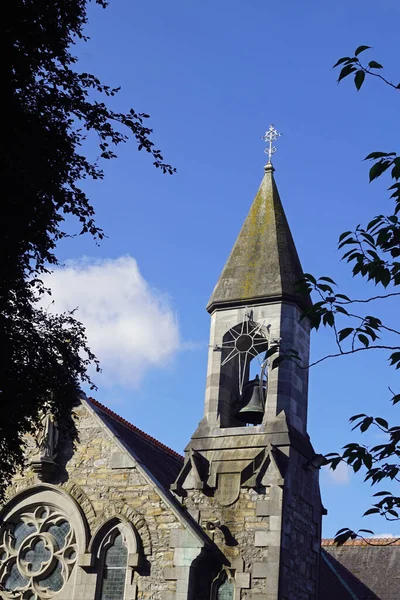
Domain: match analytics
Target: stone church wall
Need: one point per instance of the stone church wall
(301, 532)
(248, 534)
(103, 491)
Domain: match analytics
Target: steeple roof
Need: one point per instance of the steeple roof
(263, 265)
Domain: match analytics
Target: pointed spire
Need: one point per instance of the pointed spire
(263, 265)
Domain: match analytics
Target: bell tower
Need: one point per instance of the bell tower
(250, 476)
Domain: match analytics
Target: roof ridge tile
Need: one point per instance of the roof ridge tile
(389, 541)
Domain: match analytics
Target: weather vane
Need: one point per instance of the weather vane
(270, 136)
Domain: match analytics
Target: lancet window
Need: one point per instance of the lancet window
(113, 565)
(223, 586)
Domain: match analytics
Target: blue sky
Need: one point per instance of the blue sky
(213, 76)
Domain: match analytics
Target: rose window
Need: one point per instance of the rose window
(37, 554)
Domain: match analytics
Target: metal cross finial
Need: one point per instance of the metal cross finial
(270, 136)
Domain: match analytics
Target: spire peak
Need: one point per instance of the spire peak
(263, 265)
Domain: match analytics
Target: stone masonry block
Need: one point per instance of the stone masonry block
(259, 570)
(121, 460)
(181, 538)
(275, 523)
(238, 564)
(182, 585)
(85, 560)
(133, 559)
(243, 580)
(261, 539)
(183, 557)
(131, 591)
(172, 573)
(262, 508)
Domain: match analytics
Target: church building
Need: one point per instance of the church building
(119, 516)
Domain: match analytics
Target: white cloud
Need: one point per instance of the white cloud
(340, 476)
(130, 326)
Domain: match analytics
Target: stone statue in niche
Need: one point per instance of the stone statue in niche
(44, 462)
(48, 438)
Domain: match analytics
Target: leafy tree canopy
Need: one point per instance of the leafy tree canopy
(49, 109)
(373, 252)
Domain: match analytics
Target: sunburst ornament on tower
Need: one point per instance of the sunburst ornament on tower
(245, 343)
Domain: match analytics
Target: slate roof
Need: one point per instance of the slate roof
(369, 569)
(162, 462)
(330, 586)
(263, 264)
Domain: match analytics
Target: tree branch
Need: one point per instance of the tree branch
(380, 77)
(350, 352)
(370, 299)
(381, 326)
(369, 543)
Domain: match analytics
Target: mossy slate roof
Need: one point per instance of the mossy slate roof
(263, 264)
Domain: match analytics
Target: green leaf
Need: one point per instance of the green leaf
(366, 424)
(355, 417)
(367, 460)
(396, 171)
(375, 155)
(328, 279)
(378, 168)
(348, 241)
(359, 78)
(328, 319)
(271, 350)
(346, 71)
(309, 277)
(341, 61)
(395, 358)
(371, 511)
(343, 297)
(324, 287)
(344, 235)
(361, 49)
(385, 277)
(374, 65)
(364, 340)
(342, 531)
(366, 531)
(344, 333)
(342, 538)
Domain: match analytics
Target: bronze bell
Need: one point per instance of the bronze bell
(252, 403)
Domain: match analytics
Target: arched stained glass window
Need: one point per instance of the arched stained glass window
(225, 590)
(115, 557)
